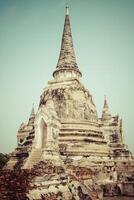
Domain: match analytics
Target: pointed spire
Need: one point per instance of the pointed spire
(32, 112)
(67, 54)
(105, 102)
(32, 116)
(106, 115)
(67, 59)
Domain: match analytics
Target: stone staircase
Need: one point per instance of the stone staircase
(10, 164)
(34, 158)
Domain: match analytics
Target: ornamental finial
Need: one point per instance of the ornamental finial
(67, 9)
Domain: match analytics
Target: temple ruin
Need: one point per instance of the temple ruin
(65, 150)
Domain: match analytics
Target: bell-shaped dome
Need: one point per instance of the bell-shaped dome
(72, 101)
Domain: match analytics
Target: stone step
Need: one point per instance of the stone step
(10, 164)
(34, 157)
(74, 134)
(77, 139)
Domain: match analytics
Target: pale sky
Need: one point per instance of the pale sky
(30, 39)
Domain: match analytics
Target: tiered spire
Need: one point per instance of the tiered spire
(106, 115)
(67, 59)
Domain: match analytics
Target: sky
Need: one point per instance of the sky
(30, 39)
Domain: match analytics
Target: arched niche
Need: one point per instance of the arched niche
(43, 133)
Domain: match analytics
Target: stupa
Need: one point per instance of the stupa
(67, 132)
